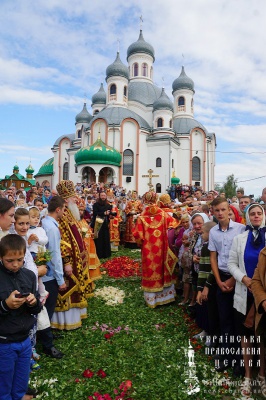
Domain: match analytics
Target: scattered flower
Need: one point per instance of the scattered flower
(122, 267)
(88, 373)
(111, 295)
(101, 373)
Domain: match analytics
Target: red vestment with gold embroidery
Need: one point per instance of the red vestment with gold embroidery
(158, 260)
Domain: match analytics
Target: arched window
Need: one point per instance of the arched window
(113, 92)
(158, 162)
(128, 162)
(113, 89)
(151, 73)
(96, 112)
(181, 101)
(125, 91)
(158, 188)
(79, 133)
(159, 123)
(144, 69)
(195, 169)
(136, 69)
(171, 123)
(65, 171)
(192, 105)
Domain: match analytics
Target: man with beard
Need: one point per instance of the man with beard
(100, 224)
(71, 305)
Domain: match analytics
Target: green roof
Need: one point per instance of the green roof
(47, 168)
(29, 169)
(98, 153)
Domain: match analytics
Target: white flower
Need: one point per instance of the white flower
(111, 295)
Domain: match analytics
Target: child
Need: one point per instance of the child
(21, 225)
(36, 237)
(18, 302)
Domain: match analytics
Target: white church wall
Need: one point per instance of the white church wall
(129, 132)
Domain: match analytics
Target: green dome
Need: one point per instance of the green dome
(140, 46)
(98, 153)
(16, 168)
(30, 169)
(117, 69)
(83, 116)
(99, 97)
(47, 168)
(163, 103)
(175, 180)
(183, 82)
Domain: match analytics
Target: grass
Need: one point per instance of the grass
(150, 352)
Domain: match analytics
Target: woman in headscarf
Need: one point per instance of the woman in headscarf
(243, 259)
(197, 220)
(234, 214)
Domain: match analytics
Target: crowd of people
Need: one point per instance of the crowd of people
(209, 249)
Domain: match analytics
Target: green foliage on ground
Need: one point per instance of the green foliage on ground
(150, 352)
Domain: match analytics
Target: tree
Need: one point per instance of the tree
(230, 186)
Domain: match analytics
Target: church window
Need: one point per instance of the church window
(159, 123)
(192, 105)
(136, 69)
(158, 188)
(195, 169)
(171, 123)
(128, 162)
(79, 134)
(125, 92)
(181, 103)
(144, 69)
(96, 112)
(173, 163)
(151, 73)
(113, 92)
(158, 162)
(65, 171)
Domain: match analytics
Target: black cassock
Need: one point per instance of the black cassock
(103, 246)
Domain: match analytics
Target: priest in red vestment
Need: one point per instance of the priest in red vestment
(158, 260)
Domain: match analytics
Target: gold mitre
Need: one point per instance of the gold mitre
(165, 199)
(150, 198)
(66, 189)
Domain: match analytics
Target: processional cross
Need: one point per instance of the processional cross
(150, 176)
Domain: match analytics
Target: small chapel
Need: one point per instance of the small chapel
(134, 127)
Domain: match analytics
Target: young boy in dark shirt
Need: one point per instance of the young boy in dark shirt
(18, 307)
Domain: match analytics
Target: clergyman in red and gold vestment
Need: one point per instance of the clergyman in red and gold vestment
(87, 234)
(114, 221)
(158, 260)
(133, 208)
(72, 304)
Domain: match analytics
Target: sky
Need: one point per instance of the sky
(54, 54)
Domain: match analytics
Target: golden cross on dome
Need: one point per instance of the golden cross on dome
(150, 176)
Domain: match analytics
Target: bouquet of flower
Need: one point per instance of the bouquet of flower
(43, 256)
(98, 224)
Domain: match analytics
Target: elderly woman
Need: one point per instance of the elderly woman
(197, 220)
(243, 259)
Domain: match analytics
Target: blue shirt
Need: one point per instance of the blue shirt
(221, 242)
(55, 266)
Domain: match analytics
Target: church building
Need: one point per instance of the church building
(134, 127)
